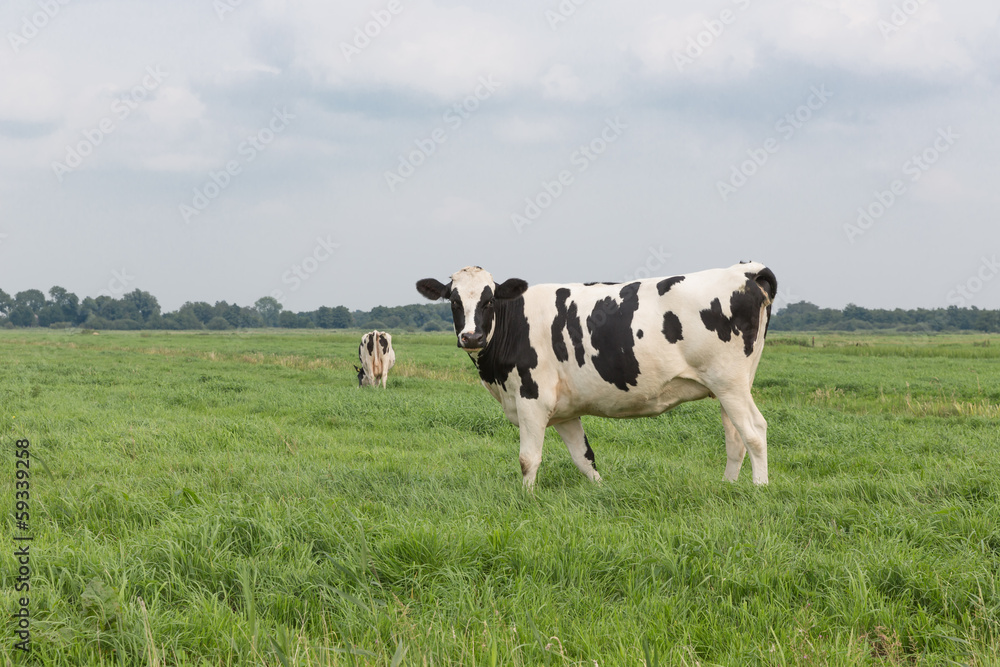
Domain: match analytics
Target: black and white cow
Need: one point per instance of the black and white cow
(551, 353)
(376, 356)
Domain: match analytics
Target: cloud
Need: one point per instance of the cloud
(423, 47)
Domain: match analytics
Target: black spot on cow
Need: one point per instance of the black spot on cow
(509, 349)
(589, 454)
(458, 313)
(383, 343)
(745, 305)
(610, 327)
(567, 318)
(715, 320)
(664, 285)
(638, 334)
(370, 343)
(592, 284)
(746, 316)
(672, 327)
(483, 317)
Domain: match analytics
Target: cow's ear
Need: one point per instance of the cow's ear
(511, 288)
(432, 289)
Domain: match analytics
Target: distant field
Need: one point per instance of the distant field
(234, 499)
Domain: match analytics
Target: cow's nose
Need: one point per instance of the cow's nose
(471, 340)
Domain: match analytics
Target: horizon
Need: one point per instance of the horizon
(426, 302)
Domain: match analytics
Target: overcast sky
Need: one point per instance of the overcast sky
(333, 153)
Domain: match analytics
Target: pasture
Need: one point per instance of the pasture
(235, 499)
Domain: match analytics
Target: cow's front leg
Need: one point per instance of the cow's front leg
(532, 422)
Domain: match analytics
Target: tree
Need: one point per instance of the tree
(333, 318)
(184, 319)
(200, 310)
(230, 314)
(6, 303)
(342, 318)
(21, 316)
(246, 318)
(854, 312)
(290, 320)
(32, 299)
(218, 323)
(66, 306)
(143, 302)
(269, 309)
(108, 308)
(51, 314)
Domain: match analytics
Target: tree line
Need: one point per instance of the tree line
(804, 316)
(141, 310)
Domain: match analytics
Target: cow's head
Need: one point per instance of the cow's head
(361, 375)
(473, 296)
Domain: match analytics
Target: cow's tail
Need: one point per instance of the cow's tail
(376, 357)
(767, 282)
(769, 290)
(769, 285)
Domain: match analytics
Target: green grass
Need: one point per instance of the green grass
(223, 499)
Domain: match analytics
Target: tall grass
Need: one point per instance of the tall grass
(236, 500)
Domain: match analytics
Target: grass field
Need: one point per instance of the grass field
(224, 499)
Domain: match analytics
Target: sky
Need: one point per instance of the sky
(334, 153)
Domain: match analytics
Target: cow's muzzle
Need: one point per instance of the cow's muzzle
(471, 341)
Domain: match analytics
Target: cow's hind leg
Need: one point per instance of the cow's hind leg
(751, 426)
(579, 449)
(735, 451)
